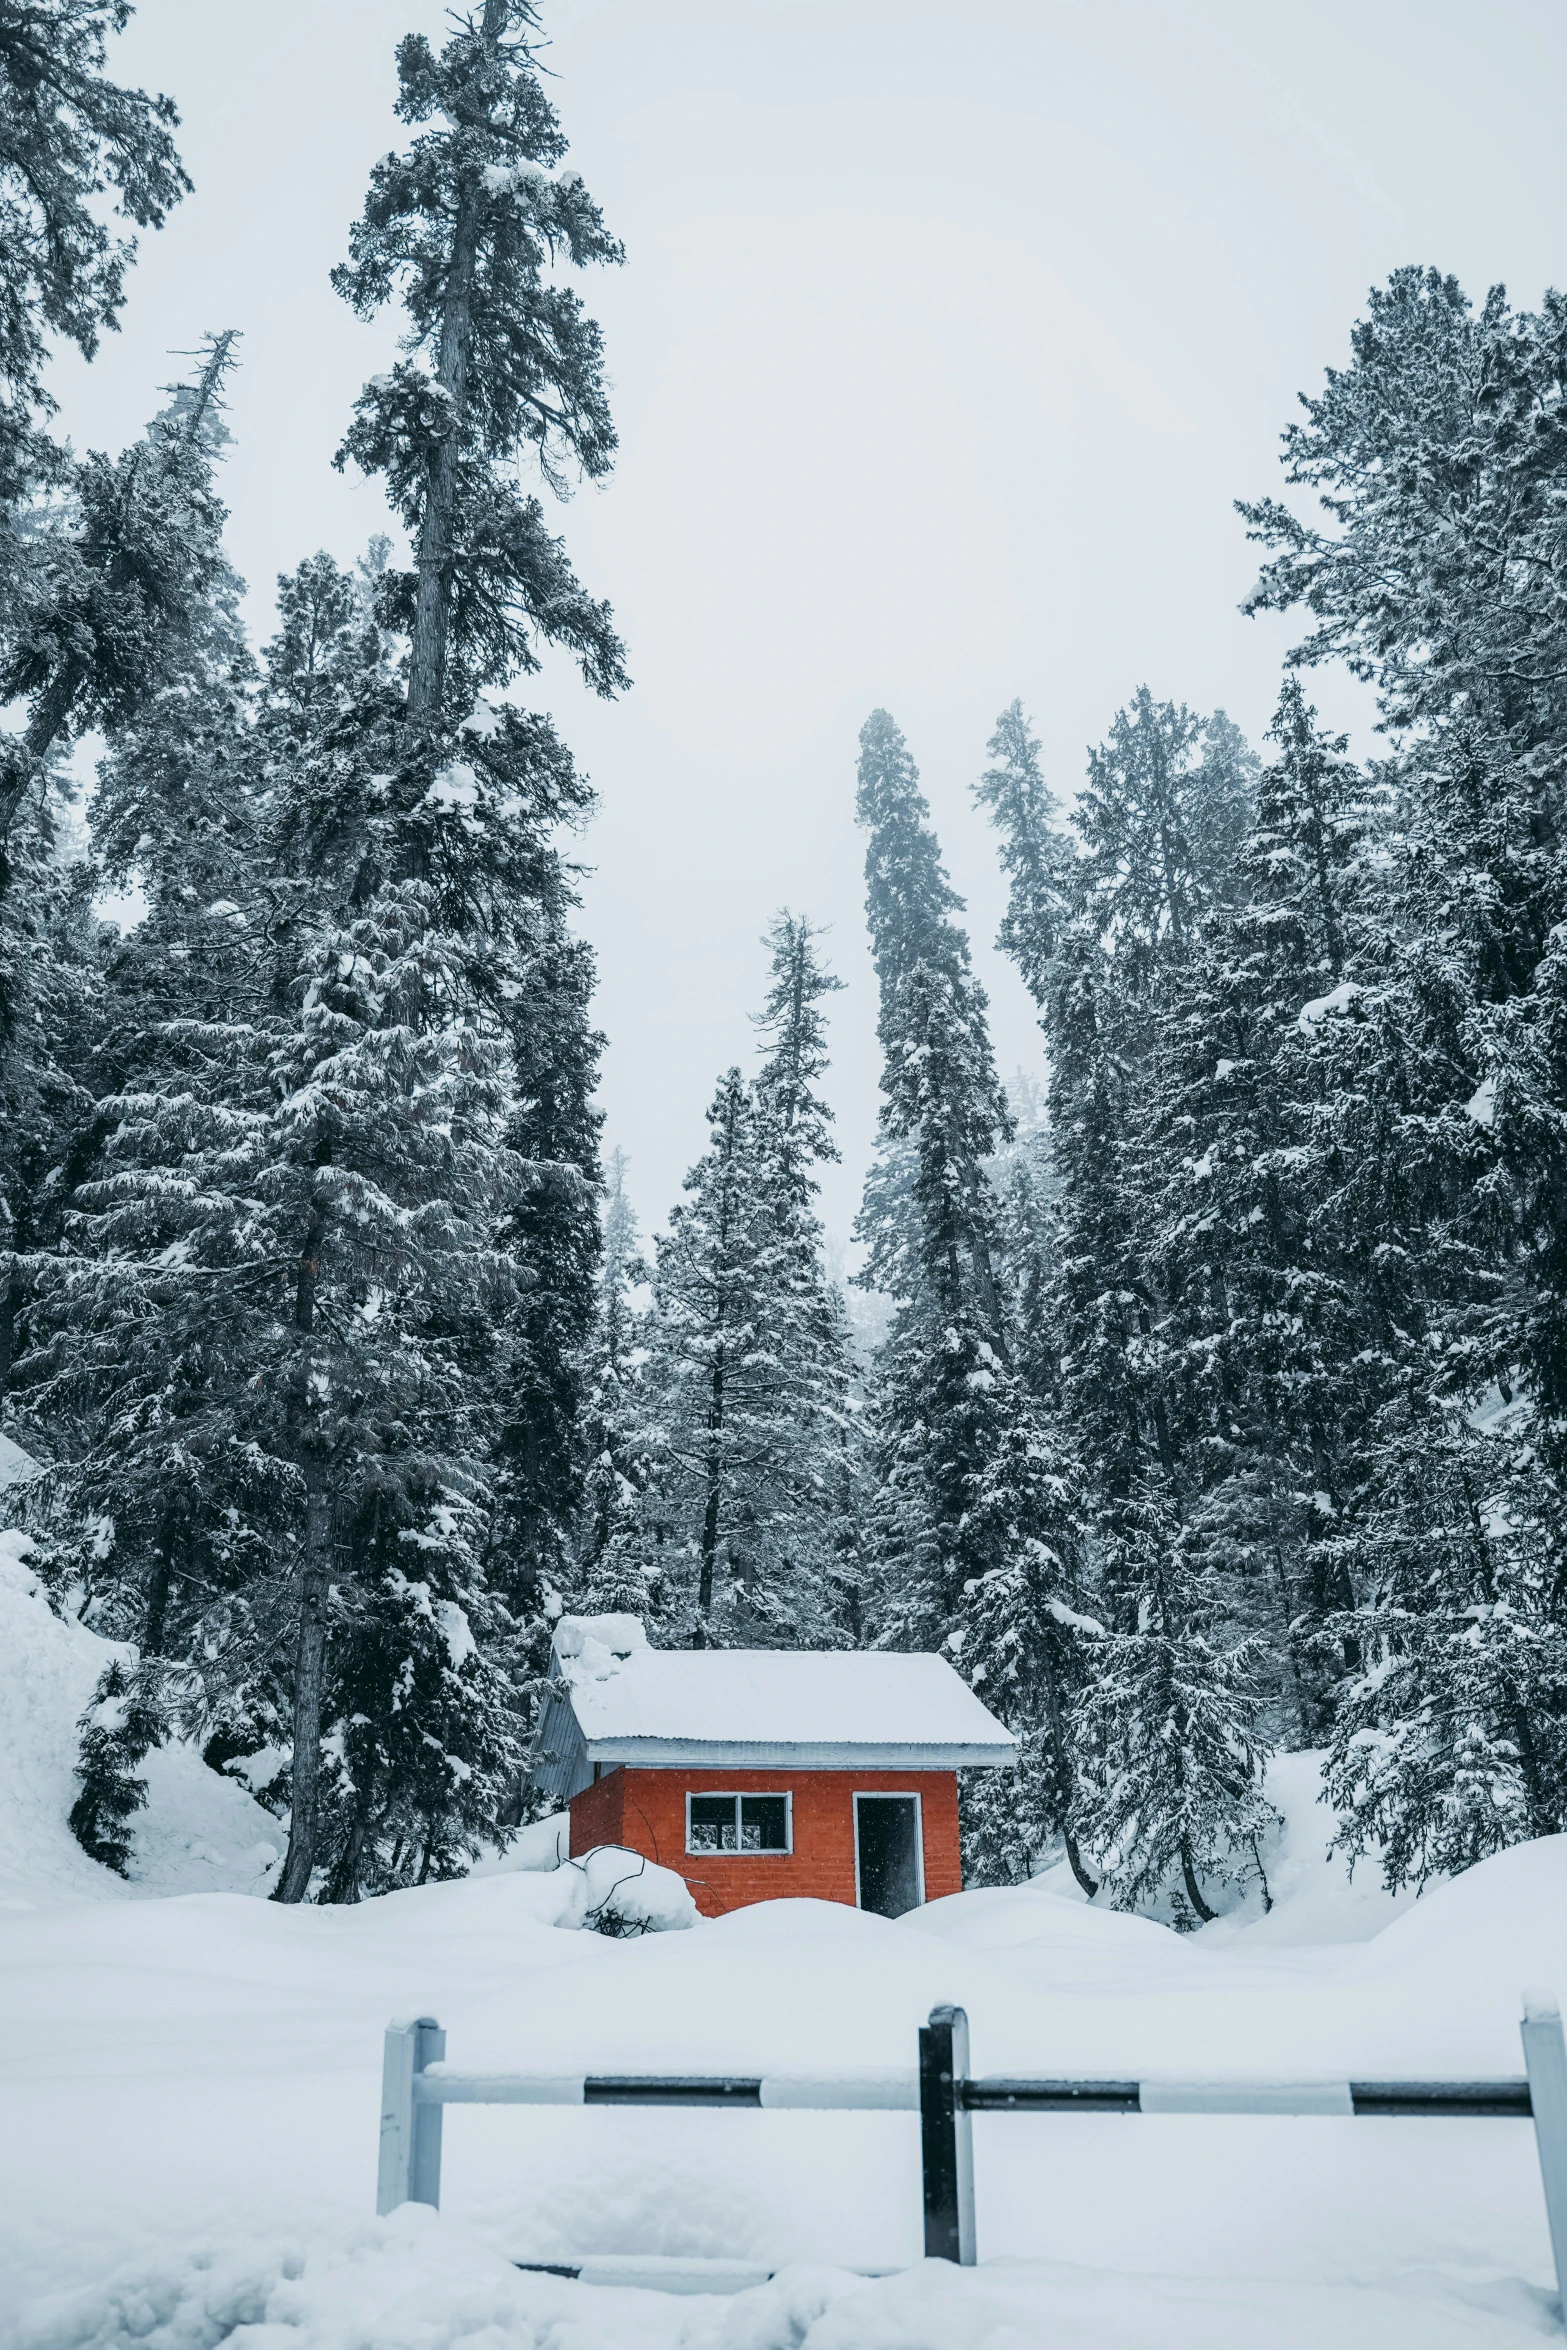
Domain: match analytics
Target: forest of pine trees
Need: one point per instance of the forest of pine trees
(1221, 1406)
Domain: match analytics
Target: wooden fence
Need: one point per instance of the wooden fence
(418, 2083)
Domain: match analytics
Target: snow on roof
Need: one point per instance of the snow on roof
(832, 1708)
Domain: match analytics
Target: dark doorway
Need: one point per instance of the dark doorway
(886, 1835)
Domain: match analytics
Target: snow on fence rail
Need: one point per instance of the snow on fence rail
(418, 2082)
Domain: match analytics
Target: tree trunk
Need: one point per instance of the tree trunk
(315, 1568)
(715, 1425)
(309, 1674)
(1074, 1861)
(1062, 1773)
(1193, 1889)
(432, 594)
(158, 1590)
(10, 1307)
(1262, 1877)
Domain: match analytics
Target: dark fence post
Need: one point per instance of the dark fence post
(946, 2138)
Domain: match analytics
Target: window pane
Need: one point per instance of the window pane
(764, 1823)
(713, 1824)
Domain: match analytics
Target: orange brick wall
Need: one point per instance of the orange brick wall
(646, 1811)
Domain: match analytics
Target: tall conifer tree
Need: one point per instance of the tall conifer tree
(750, 1441)
(971, 1532)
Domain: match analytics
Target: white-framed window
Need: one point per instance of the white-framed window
(739, 1823)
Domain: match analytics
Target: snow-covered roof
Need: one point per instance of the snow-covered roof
(827, 1709)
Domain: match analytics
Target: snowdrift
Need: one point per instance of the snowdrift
(200, 1833)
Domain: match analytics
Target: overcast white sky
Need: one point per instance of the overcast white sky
(946, 337)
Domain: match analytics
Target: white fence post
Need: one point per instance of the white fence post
(1545, 2058)
(410, 2167)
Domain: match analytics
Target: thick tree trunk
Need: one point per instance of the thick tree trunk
(10, 1308)
(433, 561)
(710, 1511)
(309, 1676)
(315, 1568)
(158, 1590)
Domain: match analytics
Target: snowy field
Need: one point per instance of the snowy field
(190, 2094)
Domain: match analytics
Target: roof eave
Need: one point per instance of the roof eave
(722, 1754)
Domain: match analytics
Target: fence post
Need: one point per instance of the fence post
(410, 2167)
(946, 2138)
(1545, 2059)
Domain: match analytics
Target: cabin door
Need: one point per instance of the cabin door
(887, 1853)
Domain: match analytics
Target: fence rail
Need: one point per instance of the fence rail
(418, 2082)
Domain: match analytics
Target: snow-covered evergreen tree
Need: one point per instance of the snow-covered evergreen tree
(317, 1357)
(612, 1564)
(474, 223)
(68, 136)
(119, 1729)
(1169, 1750)
(1261, 1319)
(111, 598)
(743, 1433)
(1448, 1742)
(1439, 455)
(970, 1534)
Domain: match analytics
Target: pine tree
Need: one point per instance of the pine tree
(473, 221)
(736, 1523)
(50, 978)
(441, 1059)
(1448, 1743)
(68, 136)
(119, 1729)
(1442, 442)
(611, 1573)
(1159, 821)
(132, 1311)
(747, 1443)
(1036, 855)
(971, 1531)
(1262, 1321)
(109, 605)
(1101, 921)
(388, 1174)
(1172, 1758)
(794, 1136)
(1447, 430)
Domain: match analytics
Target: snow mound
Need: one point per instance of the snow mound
(543, 1844)
(590, 1648)
(1316, 1896)
(618, 1892)
(1500, 1925)
(16, 1466)
(1313, 1896)
(414, 2282)
(200, 1833)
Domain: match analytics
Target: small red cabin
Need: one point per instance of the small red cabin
(761, 1773)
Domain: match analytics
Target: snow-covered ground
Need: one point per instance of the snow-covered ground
(190, 2090)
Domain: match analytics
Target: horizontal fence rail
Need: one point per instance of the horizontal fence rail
(418, 2082)
(891, 2092)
